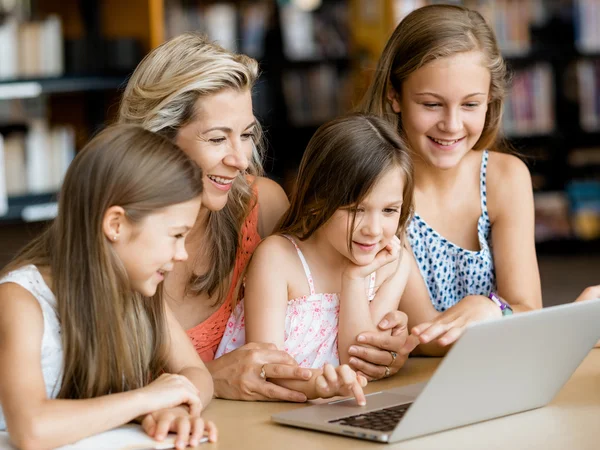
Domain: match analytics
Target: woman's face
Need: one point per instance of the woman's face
(220, 139)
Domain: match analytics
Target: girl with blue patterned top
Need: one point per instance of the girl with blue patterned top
(441, 81)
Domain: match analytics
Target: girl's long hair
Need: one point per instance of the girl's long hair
(341, 164)
(429, 33)
(113, 338)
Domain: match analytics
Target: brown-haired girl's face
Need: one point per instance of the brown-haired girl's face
(443, 107)
(377, 220)
(220, 140)
(148, 250)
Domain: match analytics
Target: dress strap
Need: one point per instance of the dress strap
(371, 293)
(482, 182)
(311, 283)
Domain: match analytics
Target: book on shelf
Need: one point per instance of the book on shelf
(31, 49)
(588, 77)
(529, 107)
(36, 162)
(586, 17)
(551, 216)
(3, 195)
(584, 197)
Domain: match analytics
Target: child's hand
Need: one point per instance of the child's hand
(386, 255)
(170, 390)
(190, 429)
(590, 293)
(341, 380)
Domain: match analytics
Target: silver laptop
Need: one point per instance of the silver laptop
(496, 368)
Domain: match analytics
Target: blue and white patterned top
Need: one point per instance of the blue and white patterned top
(451, 272)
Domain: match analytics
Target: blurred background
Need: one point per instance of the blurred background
(63, 64)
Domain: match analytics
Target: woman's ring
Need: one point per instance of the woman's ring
(263, 374)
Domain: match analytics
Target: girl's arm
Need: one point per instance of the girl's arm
(357, 315)
(36, 422)
(510, 205)
(184, 360)
(265, 303)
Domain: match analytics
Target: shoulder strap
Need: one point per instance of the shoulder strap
(309, 277)
(482, 181)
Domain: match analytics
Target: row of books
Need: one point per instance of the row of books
(529, 107)
(586, 16)
(588, 76)
(35, 162)
(574, 213)
(510, 19)
(31, 49)
(315, 95)
(243, 27)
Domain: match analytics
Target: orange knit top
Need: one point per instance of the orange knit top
(206, 335)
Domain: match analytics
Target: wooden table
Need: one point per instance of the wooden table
(571, 421)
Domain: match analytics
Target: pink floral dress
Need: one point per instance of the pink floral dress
(311, 325)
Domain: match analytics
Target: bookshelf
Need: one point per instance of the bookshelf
(63, 65)
(316, 64)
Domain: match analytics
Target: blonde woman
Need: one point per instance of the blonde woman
(82, 347)
(199, 95)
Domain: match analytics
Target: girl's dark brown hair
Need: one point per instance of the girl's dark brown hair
(341, 164)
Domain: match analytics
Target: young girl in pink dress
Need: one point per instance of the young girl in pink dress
(335, 266)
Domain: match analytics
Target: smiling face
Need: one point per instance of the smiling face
(220, 140)
(443, 107)
(148, 250)
(377, 220)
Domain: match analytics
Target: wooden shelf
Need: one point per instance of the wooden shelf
(30, 208)
(31, 88)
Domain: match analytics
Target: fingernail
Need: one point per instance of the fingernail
(361, 338)
(362, 403)
(306, 374)
(383, 323)
(352, 349)
(193, 443)
(353, 360)
(179, 444)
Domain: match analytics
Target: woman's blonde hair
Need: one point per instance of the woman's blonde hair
(429, 33)
(113, 338)
(162, 96)
(343, 161)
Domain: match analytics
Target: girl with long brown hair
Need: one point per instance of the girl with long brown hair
(85, 345)
(441, 82)
(336, 265)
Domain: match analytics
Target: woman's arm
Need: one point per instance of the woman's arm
(272, 203)
(36, 422)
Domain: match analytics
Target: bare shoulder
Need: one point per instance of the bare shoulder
(506, 169)
(272, 203)
(276, 249)
(509, 187)
(20, 310)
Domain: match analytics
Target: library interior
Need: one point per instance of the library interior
(64, 65)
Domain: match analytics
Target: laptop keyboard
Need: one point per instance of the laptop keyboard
(381, 419)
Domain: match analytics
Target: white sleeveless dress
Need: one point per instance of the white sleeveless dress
(31, 279)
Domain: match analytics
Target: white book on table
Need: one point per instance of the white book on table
(126, 437)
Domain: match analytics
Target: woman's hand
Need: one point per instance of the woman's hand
(341, 380)
(448, 326)
(382, 353)
(189, 428)
(386, 255)
(170, 390)
(243, 374)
